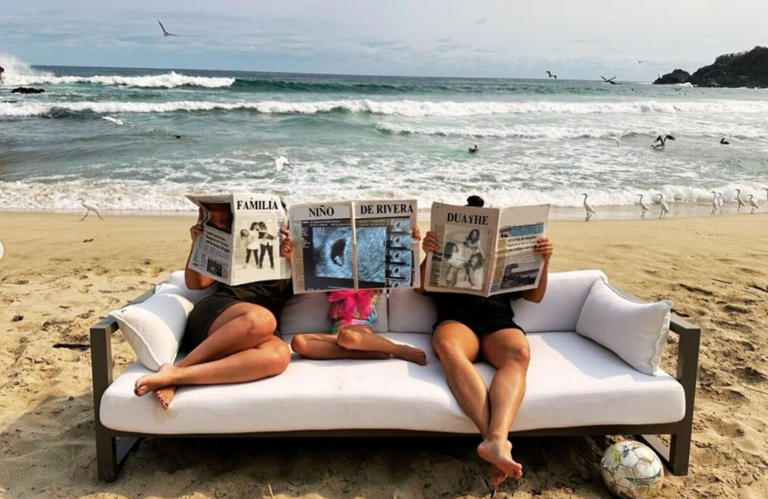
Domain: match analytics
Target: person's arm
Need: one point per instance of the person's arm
(428, 245)
(543, 248)
(192, 278)
(286, 245)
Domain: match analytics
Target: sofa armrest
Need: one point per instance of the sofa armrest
(687, 358)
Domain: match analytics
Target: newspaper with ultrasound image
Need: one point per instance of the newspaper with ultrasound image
(354, 245)
(485, 251)
(240, 241)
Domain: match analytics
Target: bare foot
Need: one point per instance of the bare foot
(497, 477)
(165, 395)
(411, 354)
(155, 381)
(499, 453)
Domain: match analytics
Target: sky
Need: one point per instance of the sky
(482, 38)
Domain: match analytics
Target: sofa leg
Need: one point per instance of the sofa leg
(111, 452)
(675, 455)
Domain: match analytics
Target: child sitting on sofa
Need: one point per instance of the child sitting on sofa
(353, 312)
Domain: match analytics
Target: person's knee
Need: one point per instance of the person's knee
(348, 338)
(299, 344)
(261, 322)
(519, 355)
(446, 349)
(278, 358)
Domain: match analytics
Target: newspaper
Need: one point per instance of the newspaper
(240, 242)
(353, 245)
(485, 251)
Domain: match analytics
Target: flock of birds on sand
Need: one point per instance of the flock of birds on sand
(717, 204)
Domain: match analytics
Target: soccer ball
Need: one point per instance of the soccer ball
(631, 470)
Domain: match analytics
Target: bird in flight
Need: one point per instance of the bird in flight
(660, 142)
(165, 33)
(609, 80)
(639, 61)
(551, 75)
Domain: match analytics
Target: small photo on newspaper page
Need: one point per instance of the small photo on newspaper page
(383, 243)
(466, 236)
(517, 267)
(323, 255)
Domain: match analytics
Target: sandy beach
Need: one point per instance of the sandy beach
(59, 275)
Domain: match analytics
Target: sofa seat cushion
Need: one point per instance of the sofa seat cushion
(572, 381)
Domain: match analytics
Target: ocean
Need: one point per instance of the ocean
(138, 139)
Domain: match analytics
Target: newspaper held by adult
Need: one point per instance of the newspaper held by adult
(485, 251)
(353, 245)
(240, 240)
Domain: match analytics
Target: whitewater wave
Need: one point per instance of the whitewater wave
(168, 196)
(167, 80)
(404, 108)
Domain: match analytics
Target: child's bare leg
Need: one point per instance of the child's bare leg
(361, 337)
(324, 346)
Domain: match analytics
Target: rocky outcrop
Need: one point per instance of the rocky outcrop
(676, 76)
(27, 90)
(746, 69)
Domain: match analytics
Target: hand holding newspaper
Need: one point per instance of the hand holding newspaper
(240, 241)
(353, 245)
(485, 251)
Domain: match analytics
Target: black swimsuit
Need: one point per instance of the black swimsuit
(481, 315)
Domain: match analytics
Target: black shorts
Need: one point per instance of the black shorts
(480, 326)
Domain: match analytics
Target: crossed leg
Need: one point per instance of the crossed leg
(492, 411)
(240, 346)
(353, 342)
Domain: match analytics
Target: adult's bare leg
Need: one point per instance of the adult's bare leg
(269, 358)
(507, 350)
(457, 347)
(325, 346)
(239, 327)
(362, 338)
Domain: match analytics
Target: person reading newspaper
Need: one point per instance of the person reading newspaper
(229, 334)
(353, 312)
(471, 327)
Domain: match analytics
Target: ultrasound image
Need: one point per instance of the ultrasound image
(332, 252)
(371, 251)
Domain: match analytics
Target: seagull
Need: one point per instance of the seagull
(639, 61)
(551, 75)
(588, 208)
(281, 161)
(719, 202)
(739, 200)
(661, 142)
(473, 149)
(608, 80)
(753, 204)
(89, 208)
(724, 142)
(664, 207)
(643, 207)
(715, 204)
(165, 33)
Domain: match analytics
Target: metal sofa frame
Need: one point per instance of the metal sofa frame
(113, 446)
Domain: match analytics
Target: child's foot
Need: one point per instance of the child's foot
(155, 381)
(411, 354)
(499, 454)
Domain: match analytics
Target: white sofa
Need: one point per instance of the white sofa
(574, 385)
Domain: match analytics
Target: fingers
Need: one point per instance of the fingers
(284, 233)
(286, 244)
(430, 242)
(543, 247)
(416, 233)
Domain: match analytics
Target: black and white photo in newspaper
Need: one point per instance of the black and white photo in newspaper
(324, 252)
(384, 248)
(517, 267)
(466, 237)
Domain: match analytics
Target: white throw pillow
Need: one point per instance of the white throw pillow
(635, 331)
(154, 327)
(194, 295)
